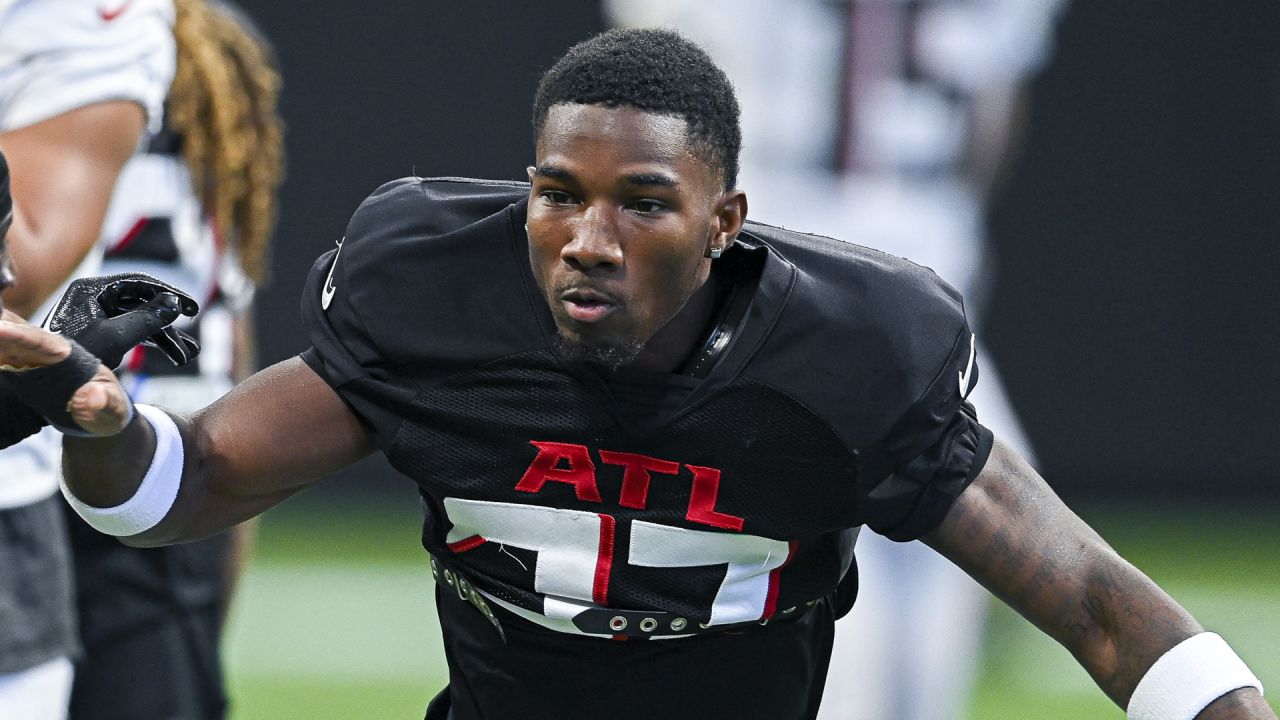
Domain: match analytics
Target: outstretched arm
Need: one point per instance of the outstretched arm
(279, 431)
(1010, 532)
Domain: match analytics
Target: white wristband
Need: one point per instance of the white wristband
(154, 497)
(1188, 677)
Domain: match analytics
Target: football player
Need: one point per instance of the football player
(103, 318)
(80, 80)
(645, 430)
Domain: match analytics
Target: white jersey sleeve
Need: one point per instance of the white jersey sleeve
(58, 55)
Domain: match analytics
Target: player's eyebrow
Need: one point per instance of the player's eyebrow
(555, 172)
(652, 178)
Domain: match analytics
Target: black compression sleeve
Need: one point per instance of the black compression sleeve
(47, 390)
(17, 421)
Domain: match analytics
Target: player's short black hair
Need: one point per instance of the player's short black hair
(658, 71)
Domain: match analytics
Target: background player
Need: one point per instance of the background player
(157, 613)
(584, 224)
(79, 82)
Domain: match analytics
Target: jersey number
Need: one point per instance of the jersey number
(576, 553)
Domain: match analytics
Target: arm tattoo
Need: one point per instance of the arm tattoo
(1011, 533)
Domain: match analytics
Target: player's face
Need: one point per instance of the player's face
(621, 216)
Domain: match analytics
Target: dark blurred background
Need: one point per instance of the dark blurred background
(1135, 237)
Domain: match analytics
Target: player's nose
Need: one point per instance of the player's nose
(594, 244)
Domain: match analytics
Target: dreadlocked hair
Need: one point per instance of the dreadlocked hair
(223, 105)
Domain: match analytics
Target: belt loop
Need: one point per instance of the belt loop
(467, 592)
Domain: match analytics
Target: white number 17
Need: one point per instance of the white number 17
(575, 553)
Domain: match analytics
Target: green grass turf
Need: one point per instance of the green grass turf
(336, 620)
(290, 699)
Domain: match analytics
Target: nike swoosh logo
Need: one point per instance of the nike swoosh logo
(966, 377)
(109, 15)
(326, 293)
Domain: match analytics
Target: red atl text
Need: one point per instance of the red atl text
(572, 464)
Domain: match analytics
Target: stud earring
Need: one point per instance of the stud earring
(715, 252)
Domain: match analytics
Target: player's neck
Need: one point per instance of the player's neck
(667, 350)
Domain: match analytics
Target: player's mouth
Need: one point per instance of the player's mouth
(588, 305)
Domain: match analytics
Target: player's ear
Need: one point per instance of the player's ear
(726, 221)
(529, 171)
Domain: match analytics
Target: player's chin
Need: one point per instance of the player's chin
(609, 350)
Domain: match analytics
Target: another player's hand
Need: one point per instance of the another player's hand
(17, 421)
(24, 346)
(100, 405)
(109, 315)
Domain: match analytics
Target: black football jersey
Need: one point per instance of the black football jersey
(559, 487)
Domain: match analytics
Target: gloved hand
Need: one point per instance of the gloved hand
(109, 315)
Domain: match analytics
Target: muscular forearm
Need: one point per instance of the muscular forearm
(1076, 590)
(105, 471)
(274, 434)
(1122, 624)
(1013, 534)
(212, 495)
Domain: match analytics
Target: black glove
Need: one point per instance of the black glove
(109, 315)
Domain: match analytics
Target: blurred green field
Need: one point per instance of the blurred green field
(335, 619)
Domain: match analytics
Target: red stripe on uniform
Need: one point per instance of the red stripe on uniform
(130, 236)
(466, 544)
(771, 600)
(133, 361)
(604, 561)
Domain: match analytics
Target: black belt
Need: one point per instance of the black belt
(638, 624)
(657, 623)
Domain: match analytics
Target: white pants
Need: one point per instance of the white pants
(40, 693)
(909, 648)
